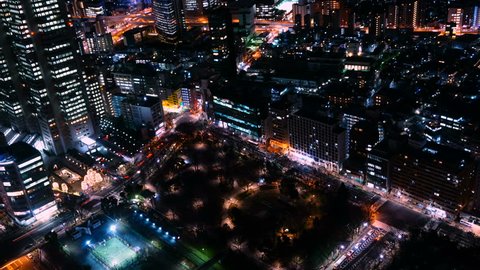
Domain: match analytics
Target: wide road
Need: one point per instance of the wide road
(391, 213)
(400, 217)
(22, 263)
(27, 239)
(15, 245)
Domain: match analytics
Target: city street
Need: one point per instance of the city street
(25, 262)
(234, 135)
(390, 212)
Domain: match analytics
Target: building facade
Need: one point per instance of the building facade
(25, 187)
(222, 40)
(169, 19)
(265, 9)
(249, 121)
(12, 94)
(440, 178)
(139, 79)
(318, 139)
(279, 112)
(143, 112)
(46, 55)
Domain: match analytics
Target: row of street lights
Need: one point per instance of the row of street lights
(165, 234)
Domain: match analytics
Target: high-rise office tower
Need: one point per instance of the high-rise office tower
(222, 40)
(455, 15)
(376, 25)
(326, 13)
(424, 14)
(346, 17)
(193, 6)
(47, 59)
(416, 14)
(404, 14)
(94, 43)
(392, 16)
(169, 19)
(407, 14)
(24, 185)
(328, 5)
(12, 97)
(302, 15)
(196, 11)
(96, 100)
(279, 113)
(243, 17)
(476, 16)
(198, 7)
(265, 9)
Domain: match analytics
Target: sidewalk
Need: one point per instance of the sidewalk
(330, 263)
(394, 199)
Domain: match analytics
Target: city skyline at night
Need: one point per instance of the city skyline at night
(239, 134)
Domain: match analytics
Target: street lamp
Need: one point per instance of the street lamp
(113, 228)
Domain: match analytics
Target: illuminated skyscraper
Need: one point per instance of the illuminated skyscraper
(222, 40)
(392, 16)
(476, 16)
(403, 15)
(47, 59)
(301, 15)
(11, 101)
(96, 99)
(193, 6)
(415, 18)
(265, 9)
(198, 7)
(169, 19)
(24, 185)
(407, 14)
(376, 25)
(329, 5)
(455, 15)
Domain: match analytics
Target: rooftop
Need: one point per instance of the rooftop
(449, 158)
(143, 101)
(360, 59)
(244, 92)
(446, 154)
(20, 151)
(135, 69)
(318, 116)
